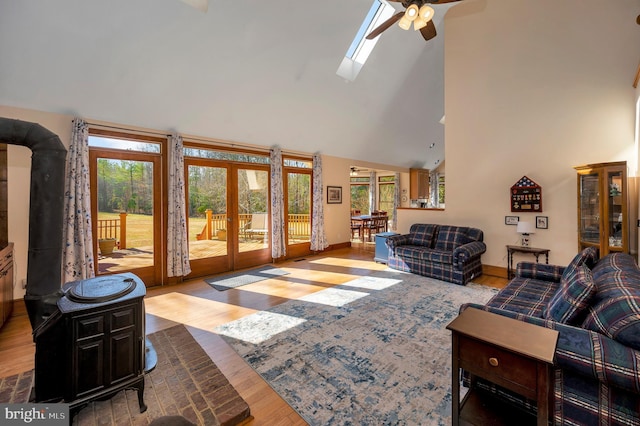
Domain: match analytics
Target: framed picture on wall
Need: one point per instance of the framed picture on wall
(334, 195)
(542, 222)
(511, 220)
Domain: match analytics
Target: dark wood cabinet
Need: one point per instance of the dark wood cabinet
(513, 354)
(6, 283)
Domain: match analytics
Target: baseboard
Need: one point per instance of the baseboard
(494, 271)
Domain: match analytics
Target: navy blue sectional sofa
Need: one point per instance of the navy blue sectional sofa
(595, 306)
(448, 253)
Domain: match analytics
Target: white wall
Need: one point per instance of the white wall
(534, 88)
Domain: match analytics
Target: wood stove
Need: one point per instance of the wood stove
(89, 334)
(94, 344)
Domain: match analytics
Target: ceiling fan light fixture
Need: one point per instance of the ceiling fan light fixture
(425, 14)
(409, 16)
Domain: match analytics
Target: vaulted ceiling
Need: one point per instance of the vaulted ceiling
(256, 72)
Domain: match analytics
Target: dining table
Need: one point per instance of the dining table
(363, 220)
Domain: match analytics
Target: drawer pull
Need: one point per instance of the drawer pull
(493, 362)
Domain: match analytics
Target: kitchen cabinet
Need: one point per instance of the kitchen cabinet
(419, 184)
(6, 283)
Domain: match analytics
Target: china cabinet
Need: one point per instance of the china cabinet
(603, 207)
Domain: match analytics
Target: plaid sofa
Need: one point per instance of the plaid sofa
(595, 307)
(448, 253)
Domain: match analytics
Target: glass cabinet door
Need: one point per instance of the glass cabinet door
(589, 220)
(614, 218)
(603, 208)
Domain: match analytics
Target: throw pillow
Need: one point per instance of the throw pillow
(588, 256)
(422, 234)
(569, 304)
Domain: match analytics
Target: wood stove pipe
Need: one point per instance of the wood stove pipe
(44, 261)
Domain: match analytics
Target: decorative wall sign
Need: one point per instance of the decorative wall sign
(526, 196)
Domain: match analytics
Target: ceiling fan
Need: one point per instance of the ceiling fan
(419, 12)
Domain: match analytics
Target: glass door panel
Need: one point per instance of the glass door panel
(207, 211)
(589, 208)
(299, 208)
(253, 219)
(126, 225)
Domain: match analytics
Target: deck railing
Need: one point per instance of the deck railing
(299, 224)
(114, 228)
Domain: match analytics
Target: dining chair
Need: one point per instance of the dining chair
(356, 227)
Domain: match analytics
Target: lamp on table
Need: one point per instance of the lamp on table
(525, 228)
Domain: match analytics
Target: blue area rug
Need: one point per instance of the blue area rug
(225, 282)
(368, 352)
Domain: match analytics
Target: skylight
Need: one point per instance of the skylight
(360, 48)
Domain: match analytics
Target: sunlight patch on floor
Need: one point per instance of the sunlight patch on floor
(334, 297)
(349, 263)
(258, 327)
(372, 283)
(275, 287)
(201, 313)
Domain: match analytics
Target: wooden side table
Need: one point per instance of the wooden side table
(510, 353)
(523, 249)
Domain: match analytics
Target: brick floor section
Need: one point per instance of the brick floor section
(185, 382)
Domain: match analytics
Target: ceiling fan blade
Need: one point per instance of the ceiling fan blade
(429, 31)
(386, 24)
(201, 5)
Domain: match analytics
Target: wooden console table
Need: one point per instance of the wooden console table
(523, 249)
(510, 353)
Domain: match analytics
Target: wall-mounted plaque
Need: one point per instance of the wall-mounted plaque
(526, 196)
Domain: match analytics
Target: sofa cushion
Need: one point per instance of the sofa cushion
(421, 234)
(525, 296)
(449, 237)
(569, 304)
(409, 251)
(437, 256)
(616, 308)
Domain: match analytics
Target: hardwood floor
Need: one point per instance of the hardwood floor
(200, 307)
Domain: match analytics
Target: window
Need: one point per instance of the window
(386, 190)
(441, 191)
(360, 194)
(360, 47)
(218, 154)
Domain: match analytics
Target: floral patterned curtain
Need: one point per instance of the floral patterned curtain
(278, 242)
(372, 192)
(396, 201)
(318, 237)
(78, 240)
(177, 245)
(433, 180)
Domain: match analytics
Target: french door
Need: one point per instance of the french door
(228, 215)
(126, 213)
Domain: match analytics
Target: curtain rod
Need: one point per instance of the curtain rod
(196, 139)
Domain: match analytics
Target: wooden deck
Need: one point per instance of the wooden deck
(131, 258)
